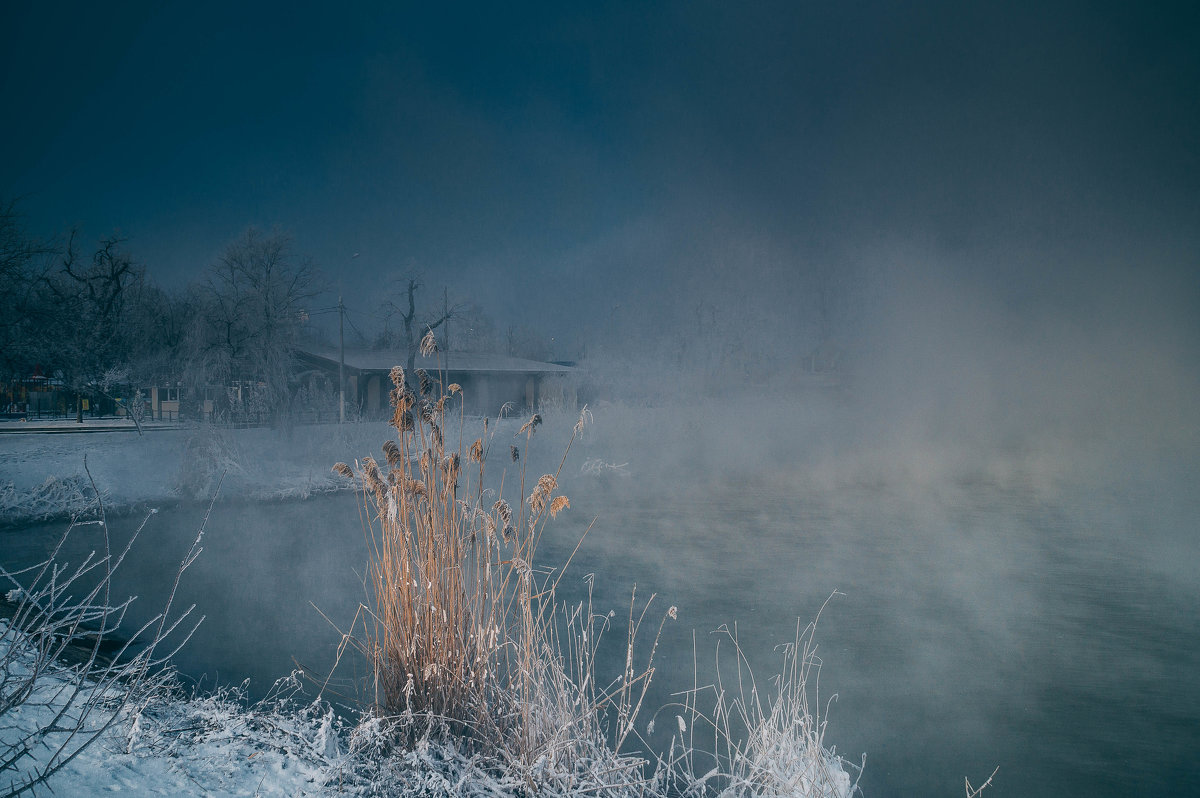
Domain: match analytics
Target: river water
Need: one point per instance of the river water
(982, 618)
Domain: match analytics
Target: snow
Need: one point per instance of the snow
(42, 475)
(168, 743)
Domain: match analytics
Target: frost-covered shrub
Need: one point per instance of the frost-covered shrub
(766, 742)
(65, 680)
(56, 497)
(209, 454)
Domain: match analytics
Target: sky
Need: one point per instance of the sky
(589, 168)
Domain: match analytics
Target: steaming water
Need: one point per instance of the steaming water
(982, 622)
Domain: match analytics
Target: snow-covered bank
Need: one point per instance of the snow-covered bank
(42, 475)
(167, 743)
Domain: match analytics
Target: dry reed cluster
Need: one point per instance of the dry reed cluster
(463, 633)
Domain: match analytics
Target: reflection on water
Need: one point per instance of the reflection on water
(979, 624)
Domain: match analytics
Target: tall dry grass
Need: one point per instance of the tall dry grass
(744, 739)
(463, 632)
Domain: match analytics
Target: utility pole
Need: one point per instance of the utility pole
(341, 362)
(446, 316)
(342, 352)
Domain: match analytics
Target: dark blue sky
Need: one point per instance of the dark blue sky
(558, 160)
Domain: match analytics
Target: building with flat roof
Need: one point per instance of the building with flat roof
(488, 381)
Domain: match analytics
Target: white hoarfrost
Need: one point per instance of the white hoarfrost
(42, 475)
(167, 743)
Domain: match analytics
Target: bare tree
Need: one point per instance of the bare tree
(474, 330)
(161, 322)
(414, 329)
(253, 307)
(522, 341)
(97, 323)
(86, 331)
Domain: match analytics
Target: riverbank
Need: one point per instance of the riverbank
(168, 742)
(43, 474)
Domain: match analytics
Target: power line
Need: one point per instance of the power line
(354, 327)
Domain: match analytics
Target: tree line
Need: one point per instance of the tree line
(91, 322)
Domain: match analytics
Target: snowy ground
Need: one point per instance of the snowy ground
(218, 745)
(208, 746)
(164, 743)
(42, 474)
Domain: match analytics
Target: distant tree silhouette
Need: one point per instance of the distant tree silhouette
(414, 329)
(252, 308)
